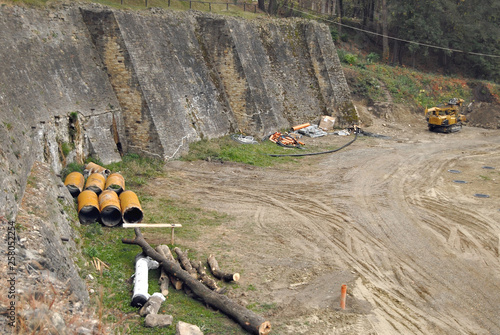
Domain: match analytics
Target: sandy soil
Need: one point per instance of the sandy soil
(418, 251)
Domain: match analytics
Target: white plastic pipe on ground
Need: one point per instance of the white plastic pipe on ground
(142, 266)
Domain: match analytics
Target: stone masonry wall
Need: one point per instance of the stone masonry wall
(104, 82)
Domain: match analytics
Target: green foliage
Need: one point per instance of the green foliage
(372, 57)
(347, 58)
(71, 167)
(66, 148)
(225, 149)
(137, 169)
(7, 125)
(410, 86)
(32, 3)
(334, 33)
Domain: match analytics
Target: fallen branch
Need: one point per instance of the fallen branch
(205, 279)
(247, 319)
(185, 263)
(214, 267)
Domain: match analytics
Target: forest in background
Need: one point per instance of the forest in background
(443, 36)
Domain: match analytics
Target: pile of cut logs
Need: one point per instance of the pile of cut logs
(191, 276)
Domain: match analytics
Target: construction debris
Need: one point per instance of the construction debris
(244, 139)
(285, 140)
(312, 131)
(143, 264)
(326, 123)
(247, 319)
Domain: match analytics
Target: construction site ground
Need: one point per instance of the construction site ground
(416, 246)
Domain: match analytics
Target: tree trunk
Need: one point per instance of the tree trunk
(271, 9)
(385, 38)
(341, 14)
(261, 5)
(247, 319)
(214, 267)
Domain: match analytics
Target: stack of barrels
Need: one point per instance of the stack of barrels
(102, 197)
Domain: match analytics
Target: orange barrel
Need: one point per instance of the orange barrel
(95, 182)
(115, 182)
(109, 204)
(88, 207)
(95, 168)
(131, 208)
(74, 182)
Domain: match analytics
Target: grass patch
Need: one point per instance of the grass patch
(116, 283)
(137, 169)
(71, 167)
(227, 150)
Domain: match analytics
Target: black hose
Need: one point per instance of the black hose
(318, 153)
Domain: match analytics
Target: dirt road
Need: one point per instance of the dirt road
(418, 250)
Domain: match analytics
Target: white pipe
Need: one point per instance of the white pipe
(142, 265)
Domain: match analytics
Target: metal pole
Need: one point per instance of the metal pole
(190, 4)
(209, 6)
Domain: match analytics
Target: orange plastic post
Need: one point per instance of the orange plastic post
(343, 293)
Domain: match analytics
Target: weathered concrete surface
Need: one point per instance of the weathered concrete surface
(103, 82)
(181, 76)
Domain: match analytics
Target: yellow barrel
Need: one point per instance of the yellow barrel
(88, 207)
(109, 205)
(95, 168)
(115, 182)
(74, 182)
(131, 208)
(95, 182)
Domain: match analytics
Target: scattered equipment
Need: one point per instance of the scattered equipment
(447, 118)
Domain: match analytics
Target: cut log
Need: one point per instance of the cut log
(214, 267)
(185, 263)
(247, 319)
(163, 281)
(205, 279)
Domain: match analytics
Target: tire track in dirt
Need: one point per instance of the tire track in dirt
(422, 256)
(403, 181)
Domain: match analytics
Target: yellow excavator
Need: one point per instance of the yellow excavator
(447, 118)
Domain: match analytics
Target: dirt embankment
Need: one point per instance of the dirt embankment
(418, 250)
